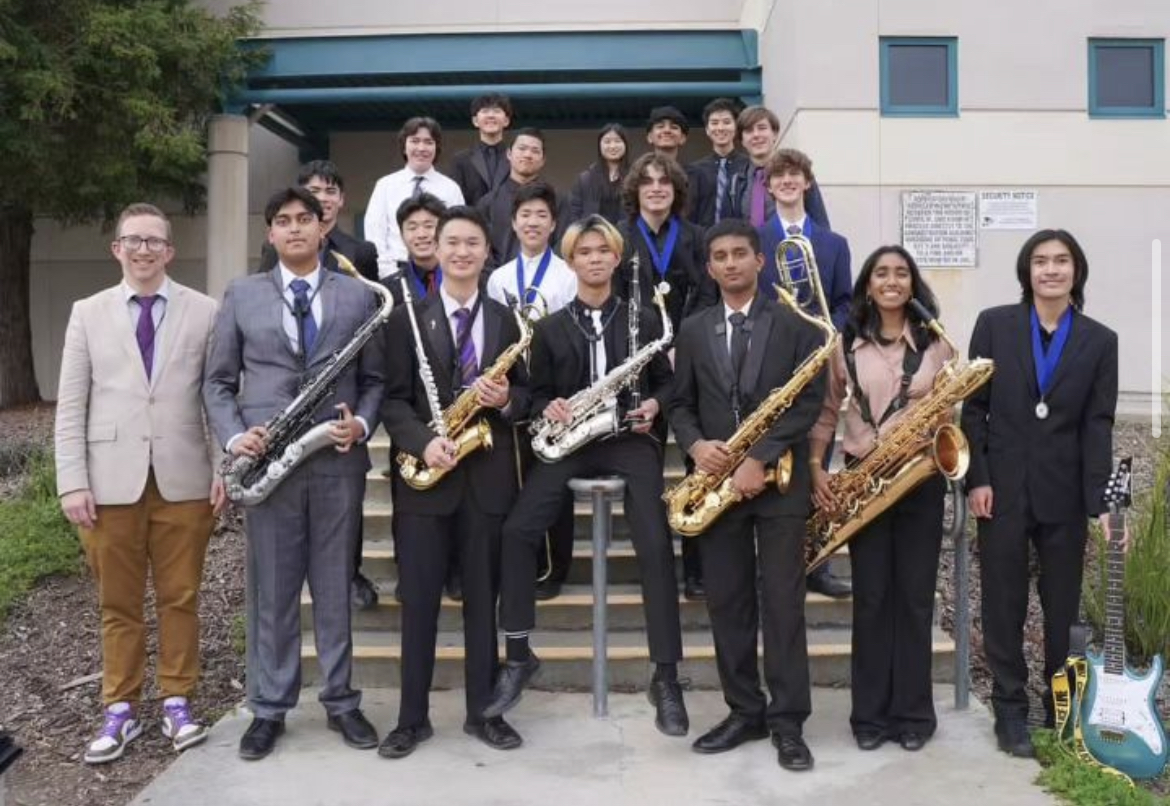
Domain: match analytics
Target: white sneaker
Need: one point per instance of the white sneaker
(179, 726)
(119, 729)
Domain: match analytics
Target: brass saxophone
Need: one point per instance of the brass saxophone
(698, 500)
(457, 419)
(923, 442)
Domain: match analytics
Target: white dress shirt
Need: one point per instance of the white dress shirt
(157, 315)
(381, 222)
(289, 321)
(557, 289)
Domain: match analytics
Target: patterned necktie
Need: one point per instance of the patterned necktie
(145, 330)
(720, 188)
(793, 229)
(468, 368)
(418, 180)
(303, 310)
(759, 192)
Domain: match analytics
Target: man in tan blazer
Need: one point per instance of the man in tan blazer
(134, 472)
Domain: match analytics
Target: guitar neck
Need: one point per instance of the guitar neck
(1115, 595)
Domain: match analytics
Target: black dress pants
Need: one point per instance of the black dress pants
(638, 460)
(558, 555)
(730, 549)
(1003, 567)
(895, 571)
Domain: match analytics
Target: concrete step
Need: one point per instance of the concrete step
(567, 660)
(378, 562)
(573, 611)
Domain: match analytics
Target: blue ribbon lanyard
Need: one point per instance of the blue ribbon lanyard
(1046, 362)
(419, 286)
(529, 291)
(661, 260)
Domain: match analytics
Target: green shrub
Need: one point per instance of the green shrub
(1077, 783)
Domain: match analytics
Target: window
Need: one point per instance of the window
(919, 76)
(1127, 78)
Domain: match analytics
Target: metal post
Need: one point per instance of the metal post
(602, 493)
(959, 544)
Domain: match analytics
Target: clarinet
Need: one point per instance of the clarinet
(635, 321)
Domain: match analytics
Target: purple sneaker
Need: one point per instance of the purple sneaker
(179, 727)
(119, 729)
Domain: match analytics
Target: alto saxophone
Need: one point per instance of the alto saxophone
(595, 408)
(292, 437)
(922, 442)
(699, 499)
(455, 423)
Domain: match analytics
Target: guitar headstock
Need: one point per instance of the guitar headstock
(1119, 489)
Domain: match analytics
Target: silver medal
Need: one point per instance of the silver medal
(1042, 410)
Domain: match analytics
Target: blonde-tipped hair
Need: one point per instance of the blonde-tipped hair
(593, 223)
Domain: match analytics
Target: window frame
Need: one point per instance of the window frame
(889, 109)
(1158, 108)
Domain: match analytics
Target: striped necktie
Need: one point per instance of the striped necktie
(468, 366)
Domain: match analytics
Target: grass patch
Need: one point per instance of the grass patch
(35, 539)
(1081, 785)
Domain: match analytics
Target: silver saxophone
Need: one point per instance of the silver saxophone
(292, 437)
(595, 408)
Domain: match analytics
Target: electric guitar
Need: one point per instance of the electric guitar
(1118, 715)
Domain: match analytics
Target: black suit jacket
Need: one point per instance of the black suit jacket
(691, 287)
(362, 254)
(701, 405)
(560, 360)
(704, 178)
(1059, 465)
(489, 476)
(496, 206)
(470, 172)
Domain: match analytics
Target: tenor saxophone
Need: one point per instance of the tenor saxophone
(459, 422)
(698, 500)
(921, 443)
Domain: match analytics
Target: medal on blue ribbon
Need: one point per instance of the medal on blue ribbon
(529, 291)
(1046, 361)
(661, 260)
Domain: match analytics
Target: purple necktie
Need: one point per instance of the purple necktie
(145, 331)
(758, 194)
(468, 368)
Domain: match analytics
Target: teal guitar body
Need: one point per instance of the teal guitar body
(1120, 721)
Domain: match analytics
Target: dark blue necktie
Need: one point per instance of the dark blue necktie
(303, 310)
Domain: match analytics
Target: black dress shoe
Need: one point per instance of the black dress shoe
(362, 593)
(495, 733)
(401, 742)
(549, 589)
(355, 729)
(694, 590)
(670, 711)
(792, 753)
(912, 741)
(260, 738)
(823, 582)
(454, 589)
(1013, 738)
(730, 734)
(513, 677)
(868, 739)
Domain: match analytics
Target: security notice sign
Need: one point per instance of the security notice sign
(939, 227)
(1007, 209)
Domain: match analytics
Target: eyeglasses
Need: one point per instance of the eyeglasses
(133, 243)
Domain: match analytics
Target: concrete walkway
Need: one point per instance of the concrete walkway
(571, 759)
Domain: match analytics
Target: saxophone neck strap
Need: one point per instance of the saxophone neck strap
(911, 361)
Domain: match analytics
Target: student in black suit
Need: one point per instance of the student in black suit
(320, 177)
(418, 218)
(711, 398)
(711, 176)
(571, 350)
(463, 332)
(526, 160)
(598, 189)
(1041, 436)
(482, 168)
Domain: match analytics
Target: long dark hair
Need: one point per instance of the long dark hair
(865, 321)
(620, 131)
(1080, 264)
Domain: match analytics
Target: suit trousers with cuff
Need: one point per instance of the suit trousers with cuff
(737, 589)
(895, 569)
(1004, 570)
(168, 540)
(638, 460)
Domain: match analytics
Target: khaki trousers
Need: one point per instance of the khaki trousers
(170, 539)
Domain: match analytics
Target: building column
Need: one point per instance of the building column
(227, 202)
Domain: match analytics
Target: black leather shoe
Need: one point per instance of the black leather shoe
(260, 738)
(670, 711)
(870, 739)
(401, 742)
(355, 729)
(694, 590)
(792, 753)
(549, 589)
(823, 582)
(730, 734)
(912, 741)
(362, 593)
(513, 677)
(454, 589)
(495, 733)
(1013, 738)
